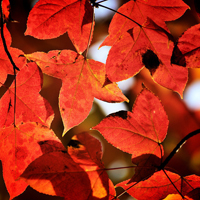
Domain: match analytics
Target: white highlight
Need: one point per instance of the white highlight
(101, 13)
(192, 96)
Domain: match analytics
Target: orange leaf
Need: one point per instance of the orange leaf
(6, 9)
(72, 16)
(190, 50)
(158, 186)
(176, 197)
(82, 80)
(142, 39)
(30, 105)
(6, 66)
(19, 147)
(140, 131)
(66, 174)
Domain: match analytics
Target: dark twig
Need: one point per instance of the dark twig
(173, 183)
(4, 41)
(9, 56)
(178, 146)
(97, 4)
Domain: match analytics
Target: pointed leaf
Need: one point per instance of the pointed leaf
(190, 50)
(67, 174)
(159, 186)
(82, 80)
(30, 105)
(138, 11)
(19, 147)
(6, 66)
(146, 45)
(134, 36)
(140, 131)
(72, 16)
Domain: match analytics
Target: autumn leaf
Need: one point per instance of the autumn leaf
(66, 174)
(138, 11)
(190, 50)
(140, 131)
(146, 165)
(158, 186)
(19, 147)
(6, 9)
(30, 105)
(82, 80)
(6, 66)
(140, 40)
(71, 16)
(176, 197)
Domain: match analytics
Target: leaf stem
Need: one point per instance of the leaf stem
(178, 146)
(9, 56)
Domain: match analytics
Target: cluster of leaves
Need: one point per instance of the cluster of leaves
(31, 154)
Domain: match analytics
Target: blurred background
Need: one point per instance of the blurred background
(183, 114)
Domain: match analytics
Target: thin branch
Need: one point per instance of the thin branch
(178, 146)
(4, 41)
(9, 56)
(117, 168)
(173, 183)
(98, 4)
(101, 1)
(131, 187)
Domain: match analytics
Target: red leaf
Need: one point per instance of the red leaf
(176, 197)
(6, 9)
(140, 131)
(72, 16)
(82, 80)
(158, 186)
(146, 165)
(138, 11)
(79, 171)
(190, 50)
(30, 105)
(136, 45)
(6, 66)
(19, 147)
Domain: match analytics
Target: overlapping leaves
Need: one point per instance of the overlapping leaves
(138, 32)
(30, 105)
(68, 173)
(6, 66)
(32, 155)
(19, 147)
(159, 185)
(78, 75)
